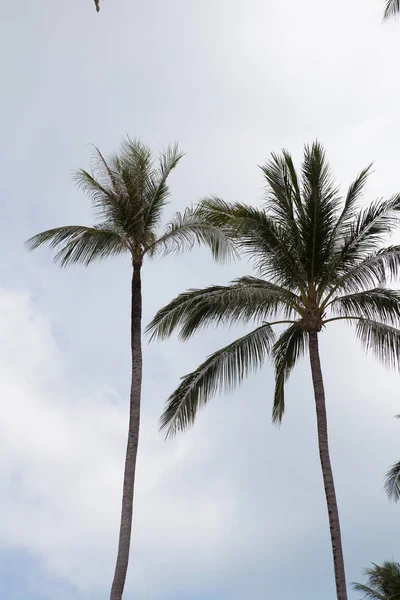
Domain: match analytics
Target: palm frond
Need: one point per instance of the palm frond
(392, 9)
(321, 203)
(101, 194)
(354, 194)
(341, 228)
(283, 193)
(383, 582)
(97, 5)
(215, 211)
(273, 249)
(373, 271)
(379, 304)
(80, 245)
(392, 482)
(286, 351)
(157, 191)
(186, 230)
(380, 339)
(246, 299)
(136, 171)
(366, 233)
(368, 592)
(222, 371)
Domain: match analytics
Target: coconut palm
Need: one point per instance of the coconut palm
(383, 582)
(129, 193)
(392, 9)
(392, 481)
(319, 260)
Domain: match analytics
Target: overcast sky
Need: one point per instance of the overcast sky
(233, 509)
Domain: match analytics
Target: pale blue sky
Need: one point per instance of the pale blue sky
(235, 508)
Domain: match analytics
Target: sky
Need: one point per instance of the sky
(234, 508)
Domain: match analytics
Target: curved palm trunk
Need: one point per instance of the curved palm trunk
(334, 525)
(133, 439)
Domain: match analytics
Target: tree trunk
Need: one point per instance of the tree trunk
(334, 525)
(133, 439)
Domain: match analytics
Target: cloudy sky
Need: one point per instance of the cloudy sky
(234, 509)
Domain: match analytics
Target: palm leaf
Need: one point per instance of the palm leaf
(285, 353)
(274, 251)
(377, 304)
(382, 340)
(103, 196)
(369, 229)
(392, 482)
(157, 189)
(222, 371)
(383, 582)
(186, 230)
(246, 299)
(320, 201)
(217, 212)
(354, 194)
(392, 9)
(283, 194)
(81, 245)
(372, 271)
(368, 592)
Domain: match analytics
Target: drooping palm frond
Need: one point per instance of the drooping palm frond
(81, 245)
(373, 271)
(379, 304)
(97, 5)
(368, 592)
(285, 353)
(186, 230)
(392, 482)
(380, 339)
(246, 299)
(222, 371)
(392, 9)
(383, 582)
(217, 212)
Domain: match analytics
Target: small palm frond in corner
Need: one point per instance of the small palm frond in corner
(392, 9)
(392, 482)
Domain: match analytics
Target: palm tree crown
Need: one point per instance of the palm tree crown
(319, 259)
(128, 194)
(383, 582)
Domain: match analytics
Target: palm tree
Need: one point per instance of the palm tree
(392, 9)
(392, 481)
(129, 193)
(318, 261)
(383, 582)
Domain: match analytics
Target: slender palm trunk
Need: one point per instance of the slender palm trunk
(133, 439)
(334, 525)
